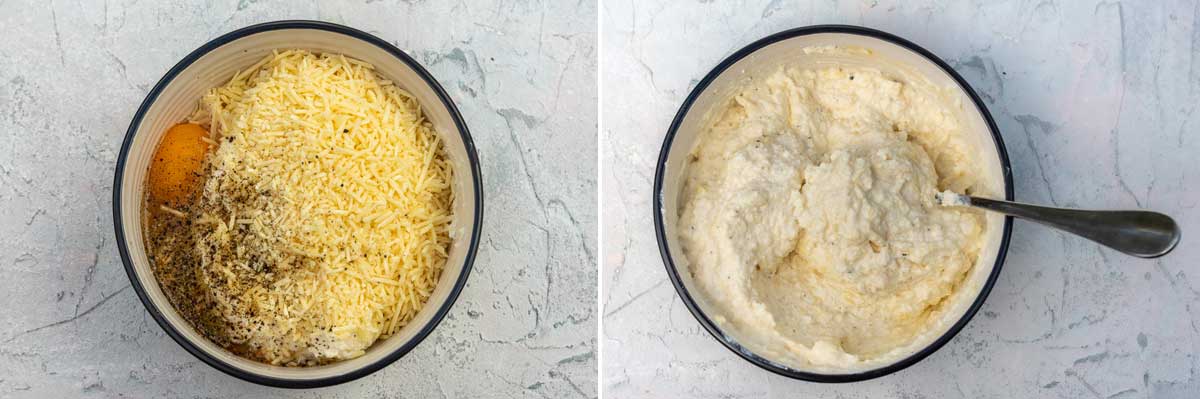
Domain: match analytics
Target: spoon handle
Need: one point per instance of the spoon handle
(1139, 233)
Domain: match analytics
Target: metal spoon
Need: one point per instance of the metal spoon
(1139, 233)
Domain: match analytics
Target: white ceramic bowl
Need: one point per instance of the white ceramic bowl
(787, 48)
(178, 93)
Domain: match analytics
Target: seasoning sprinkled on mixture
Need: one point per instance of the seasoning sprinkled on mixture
(318, 220)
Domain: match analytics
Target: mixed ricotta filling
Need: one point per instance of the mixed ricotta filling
(809, 217)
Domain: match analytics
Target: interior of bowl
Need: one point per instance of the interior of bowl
(791, 51)
(179, 97)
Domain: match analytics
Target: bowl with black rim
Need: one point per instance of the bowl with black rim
(176, 96)
(768, 55)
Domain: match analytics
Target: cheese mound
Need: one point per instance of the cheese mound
(809, 220)
(323, 223)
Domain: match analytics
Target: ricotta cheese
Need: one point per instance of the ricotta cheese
(809, 218)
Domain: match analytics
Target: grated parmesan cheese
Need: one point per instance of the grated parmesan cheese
(323, 222)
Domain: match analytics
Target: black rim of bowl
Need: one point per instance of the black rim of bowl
(673, 272)
(467, 262)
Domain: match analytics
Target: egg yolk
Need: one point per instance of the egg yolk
(175, 169)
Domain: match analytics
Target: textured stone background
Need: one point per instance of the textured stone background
(73, 73)
(1096, 102)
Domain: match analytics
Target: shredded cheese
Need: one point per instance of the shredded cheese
(323, 225)
(172, 211)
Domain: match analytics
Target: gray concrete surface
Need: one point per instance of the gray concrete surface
(1096, 102)
(73, 73)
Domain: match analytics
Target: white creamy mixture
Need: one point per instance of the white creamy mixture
(809, 217)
